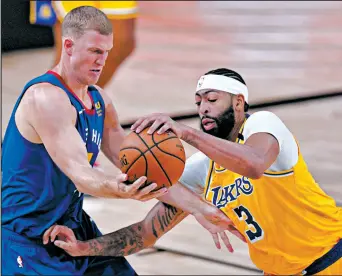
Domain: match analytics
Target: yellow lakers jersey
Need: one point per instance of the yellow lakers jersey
(287, 219)
(113, 9)
(47, 12)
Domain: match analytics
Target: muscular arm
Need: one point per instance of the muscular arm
(136, 237)
(113, 133)
(161, 219)
(250, 159)
(53, 119)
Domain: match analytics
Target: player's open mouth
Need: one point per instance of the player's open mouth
(96, 72)
(208, 124)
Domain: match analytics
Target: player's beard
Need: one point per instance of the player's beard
(224, 124)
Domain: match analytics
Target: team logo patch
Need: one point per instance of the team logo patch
(98, 109)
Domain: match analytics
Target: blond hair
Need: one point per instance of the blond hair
(84, 18)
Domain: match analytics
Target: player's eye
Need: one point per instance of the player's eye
(97, 51)
(212, 100)
(197, 103)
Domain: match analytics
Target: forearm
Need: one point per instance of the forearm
(235, 157)
(184, 199)
(136, 237)
(126, 241)
(94, 182)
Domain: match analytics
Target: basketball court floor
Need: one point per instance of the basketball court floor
(282, 49)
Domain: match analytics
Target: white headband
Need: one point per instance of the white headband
(222, 83)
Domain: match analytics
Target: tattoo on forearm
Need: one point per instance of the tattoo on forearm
(162, 220)
(93, 247)
(123, 242)
(133, 238)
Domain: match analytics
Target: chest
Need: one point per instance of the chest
(90, 124)
(227, 189)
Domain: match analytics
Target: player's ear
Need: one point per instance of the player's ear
(68, 45)
(238, 103)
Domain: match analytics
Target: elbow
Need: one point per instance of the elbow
(254, 170)
(78, 184)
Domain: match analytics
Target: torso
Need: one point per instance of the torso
(27, 167)
(286, 218)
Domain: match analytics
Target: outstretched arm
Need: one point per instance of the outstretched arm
(126, 241)
(250, 159)
(136, 237)
(206, 214)
(161, 219)
(54, 126)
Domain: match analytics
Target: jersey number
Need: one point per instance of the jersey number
(252, 235)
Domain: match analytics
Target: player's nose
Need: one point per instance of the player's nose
(203, 109)
(101, 61)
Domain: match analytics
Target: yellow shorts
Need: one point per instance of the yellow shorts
(113, 9)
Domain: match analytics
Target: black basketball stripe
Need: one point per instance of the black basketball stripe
(156, 144)
(155, 158)
(146, 166)
(141, 154)
(133, 148)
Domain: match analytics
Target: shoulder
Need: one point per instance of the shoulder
(261, 117)
(106, 99)
(46, 93)
(45, 98)
(268, 122)
(263, 121)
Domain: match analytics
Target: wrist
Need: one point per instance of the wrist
(185, 132)
(110, 188)
(84, 248)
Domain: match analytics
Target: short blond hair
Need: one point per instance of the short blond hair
(84, 18)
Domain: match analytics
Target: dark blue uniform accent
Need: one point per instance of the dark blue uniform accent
(328, 259)
(36, 194)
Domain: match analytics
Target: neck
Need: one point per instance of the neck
(79, 89)
(239, 120)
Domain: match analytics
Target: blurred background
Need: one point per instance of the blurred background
(288, 52)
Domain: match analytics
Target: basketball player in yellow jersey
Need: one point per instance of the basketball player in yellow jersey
(122, 14)
(252, 169)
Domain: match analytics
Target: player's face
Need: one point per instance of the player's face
(89, 56)
(216, 112)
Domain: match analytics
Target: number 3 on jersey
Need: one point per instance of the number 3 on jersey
(257, 233)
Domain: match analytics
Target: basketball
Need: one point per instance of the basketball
(159, 157)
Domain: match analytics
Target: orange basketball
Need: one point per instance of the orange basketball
(159, 157)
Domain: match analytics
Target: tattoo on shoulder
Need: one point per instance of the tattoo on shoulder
(164, 219)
